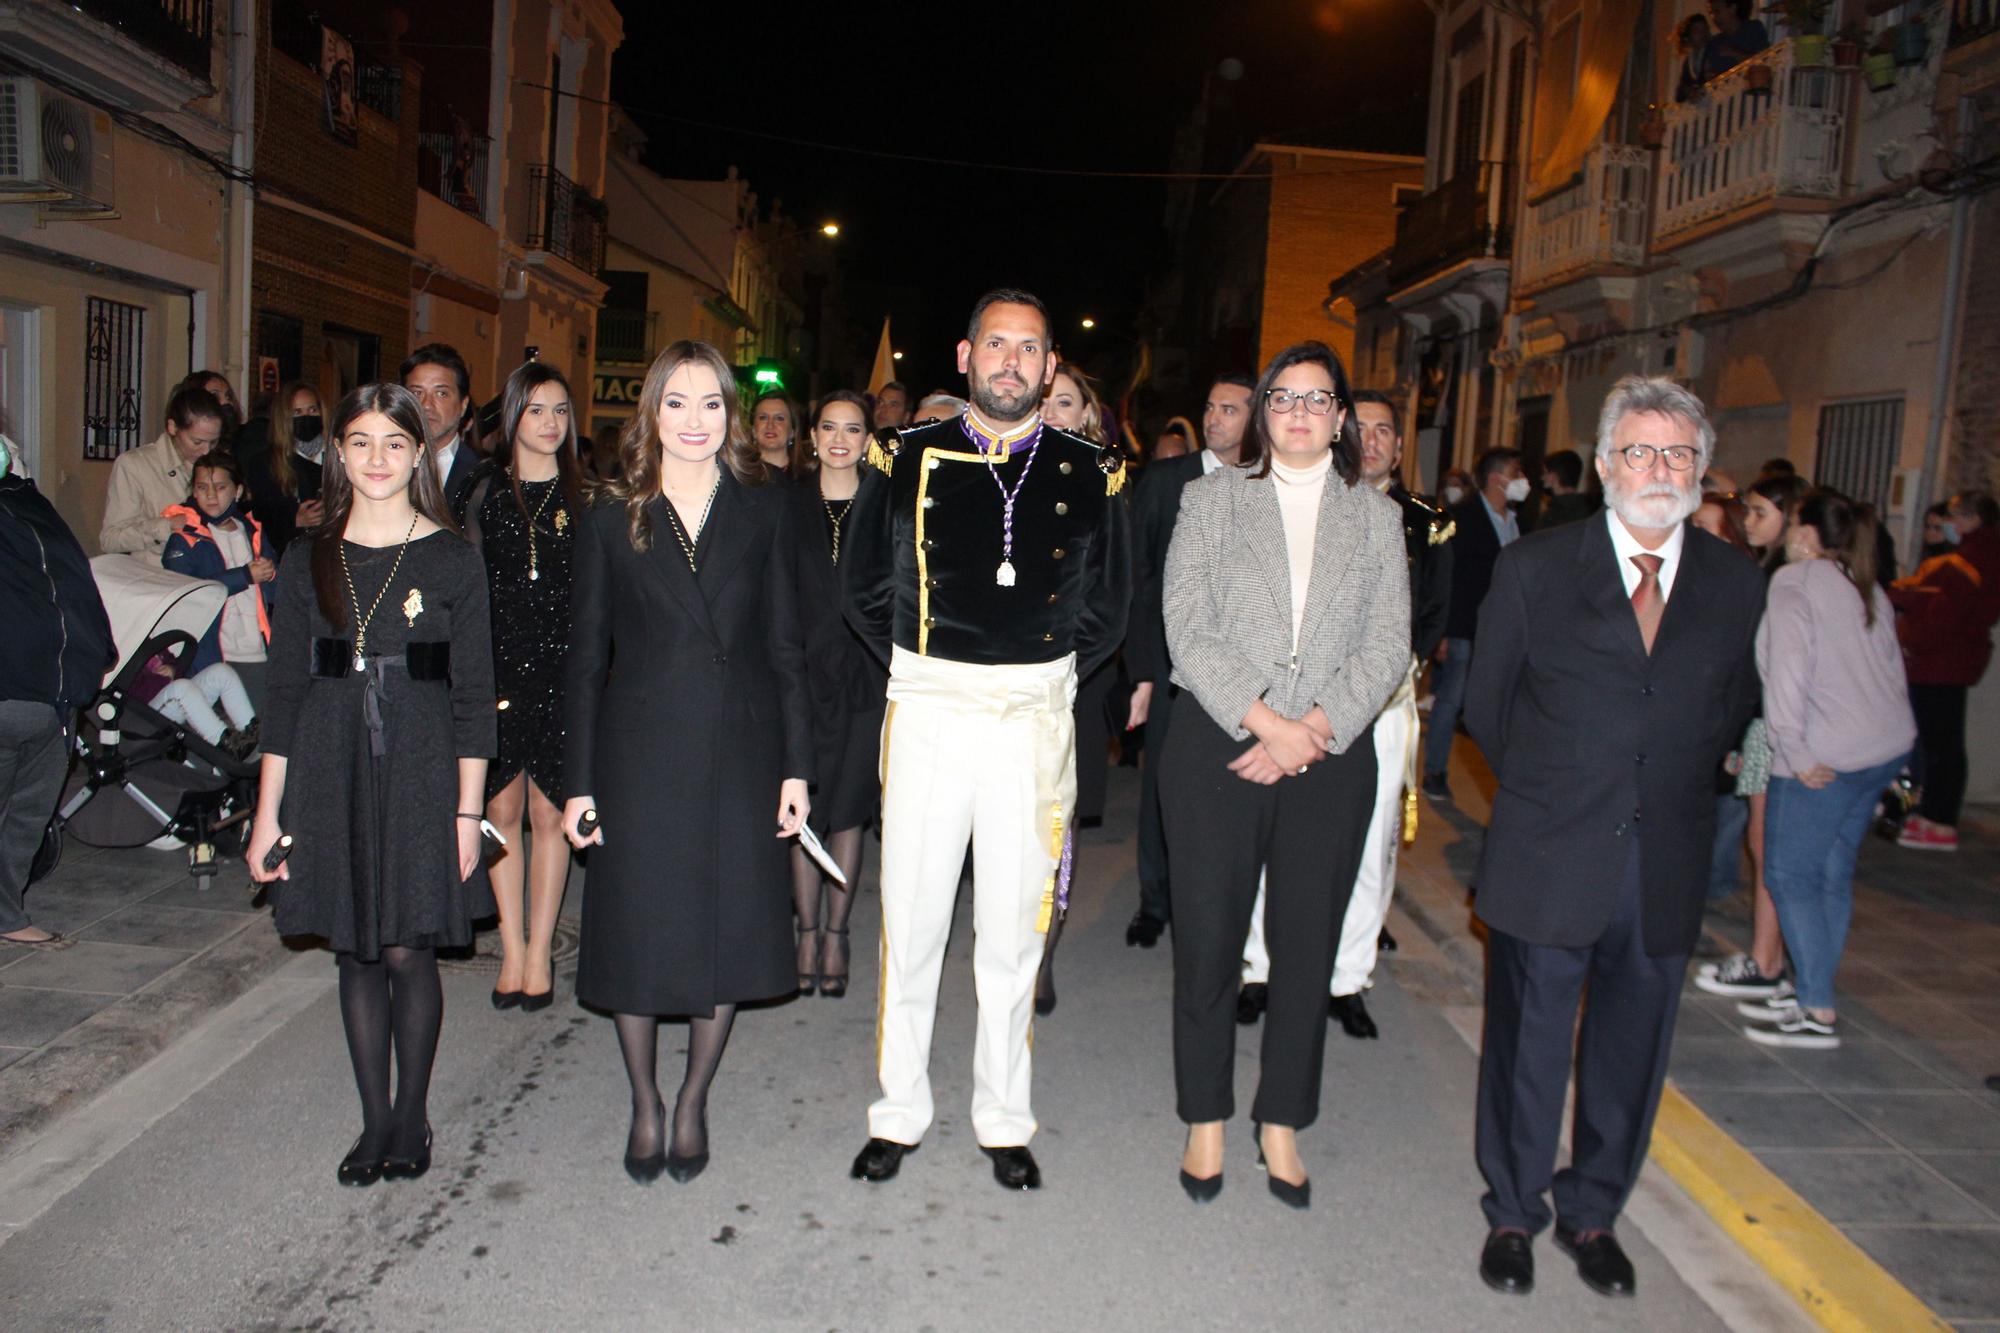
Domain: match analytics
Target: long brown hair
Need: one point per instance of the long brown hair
(1256, 453)
(639, 447)
(337, 492)
(520, 388)
(805, 458)
(1092, 425)
(281, 438)
(1846, 531)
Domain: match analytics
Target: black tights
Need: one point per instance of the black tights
(395, 1001)
(639, 1040)
(844, 845)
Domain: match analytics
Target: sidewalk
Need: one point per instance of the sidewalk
(1892, 1138)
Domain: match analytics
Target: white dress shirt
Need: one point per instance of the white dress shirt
(1626, 546)
(447, 454)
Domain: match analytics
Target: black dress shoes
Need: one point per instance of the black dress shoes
(358, 1170)
(1251, 1002)
(409, 1168)
(1352, 1011)
(1015, 1168)
(1384, 941)
(1600, 1261)
(1507, 1264)
(1435, 788)
(1143, 931)
(880, 1160)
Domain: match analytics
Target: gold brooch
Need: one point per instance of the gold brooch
(562, 519)
(413, 605)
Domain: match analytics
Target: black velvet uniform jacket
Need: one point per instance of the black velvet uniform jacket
(924, 542)
(1427, 534)
(1596, 743)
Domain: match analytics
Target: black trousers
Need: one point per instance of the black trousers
(1306, 833)
(1940, 711)
(1153, 896)
(1093, 739)
(1621, 1064)
(34, 759)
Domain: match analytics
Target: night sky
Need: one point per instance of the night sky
(1098, 86)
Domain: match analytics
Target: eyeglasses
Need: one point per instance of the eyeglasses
(1639, 457)
(1318, 402)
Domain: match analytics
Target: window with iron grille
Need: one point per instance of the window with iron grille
(114, 361)
(1859, 443)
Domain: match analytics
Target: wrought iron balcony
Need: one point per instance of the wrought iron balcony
(1465, 218)
(625, 337)
(1768, 128)
(453, 167)
(175, 30)
(1598, 219)
(566, 220)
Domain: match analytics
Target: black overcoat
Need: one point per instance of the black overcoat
(686, 708)
(1595, 742)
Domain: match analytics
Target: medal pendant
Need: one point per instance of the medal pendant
(360, 664)
(534, 574)
(1004, 576)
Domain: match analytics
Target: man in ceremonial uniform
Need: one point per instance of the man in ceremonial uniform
(1427, 533)
(988, 565)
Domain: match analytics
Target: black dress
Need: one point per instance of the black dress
(371, 790)
(848, 687)
(269, 505)
(686, 708)
(531, 605)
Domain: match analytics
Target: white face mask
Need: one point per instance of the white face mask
(6, 457)
(1948, 530)
(1517, 489)
(1452, 495)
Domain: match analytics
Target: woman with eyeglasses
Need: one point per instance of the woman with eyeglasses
(1287, 608)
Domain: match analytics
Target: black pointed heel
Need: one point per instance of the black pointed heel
(1200, 1189)
(645, 1170)
(684, 1169)
(808, 981)
(834, 987)
(1292, 1196)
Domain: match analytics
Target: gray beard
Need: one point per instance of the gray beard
(1628, 507)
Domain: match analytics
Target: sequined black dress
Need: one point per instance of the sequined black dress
(531, 620)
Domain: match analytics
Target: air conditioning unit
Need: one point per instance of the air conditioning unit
(54, 150)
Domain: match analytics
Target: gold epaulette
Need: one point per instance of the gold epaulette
(1442, 531)
(882, 451)
(1113, 464)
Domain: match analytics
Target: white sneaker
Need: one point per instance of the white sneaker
(166, 842)
(1797, 1029)
(1772, 1007)
(1736, 976)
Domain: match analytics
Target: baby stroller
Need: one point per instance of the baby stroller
(139, 775)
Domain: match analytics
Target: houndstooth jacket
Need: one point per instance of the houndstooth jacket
(1228, 604)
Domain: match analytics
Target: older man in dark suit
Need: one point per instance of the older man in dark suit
(1615, 669)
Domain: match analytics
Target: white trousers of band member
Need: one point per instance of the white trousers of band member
(1375, 882)
(986, 752)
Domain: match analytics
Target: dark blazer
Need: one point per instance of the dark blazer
(842, 676)
(1595, 742)
(685, 707)
(1474, 547)
(1156, 505)
(458, 479)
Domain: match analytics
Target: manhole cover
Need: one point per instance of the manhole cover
(484, 956)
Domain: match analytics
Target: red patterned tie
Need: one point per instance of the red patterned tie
(1647, 603)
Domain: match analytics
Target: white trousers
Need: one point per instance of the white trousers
(1375, 882)
(989, 753)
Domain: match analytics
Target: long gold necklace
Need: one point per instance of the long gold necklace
(354, 599)
(833, 520)
(534, 568)
(681, 534)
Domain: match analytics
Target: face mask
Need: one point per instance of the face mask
(1950, 531)
(6, 457)
(1517, 489)
(306, 429)
(1452, 495)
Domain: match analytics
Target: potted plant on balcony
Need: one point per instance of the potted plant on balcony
(1806, 21)
(1878, 67)
(1849, 43)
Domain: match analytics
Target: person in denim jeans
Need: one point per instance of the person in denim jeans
(1838, 713)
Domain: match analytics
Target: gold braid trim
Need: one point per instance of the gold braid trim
(1409, 817)
(879, 458)
(1046, 917)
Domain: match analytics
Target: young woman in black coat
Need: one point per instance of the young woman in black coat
(686, 712)
(848, 687)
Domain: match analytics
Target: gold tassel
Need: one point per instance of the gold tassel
(1409, 817)
(879, 458)
(1046, 917)
(1114, 480)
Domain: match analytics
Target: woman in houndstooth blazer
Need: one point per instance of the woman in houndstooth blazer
(1287, 608)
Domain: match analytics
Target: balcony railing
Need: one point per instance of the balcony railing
(453, 167)
(176, 30)
(1973, 19)
(1742, 142)
(625, 337)
(566, 221)
(1462, 219)
(1600, 218)
(380, 89)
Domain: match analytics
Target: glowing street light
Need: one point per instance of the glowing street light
(897, 355)
(829, 229)
(1089, 323)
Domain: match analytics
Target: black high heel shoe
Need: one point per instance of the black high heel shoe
(506, 999)
(531, 1003)
(645, 1170)
(831, 986)
(1292, 1196)
(684, 1169)
(808, 981)
(357, 1170)
(1202, 1189)
(409, 1168)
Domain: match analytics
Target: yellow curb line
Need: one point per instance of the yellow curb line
(1828, 1274)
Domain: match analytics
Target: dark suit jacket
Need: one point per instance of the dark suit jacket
(1156, 504)
(1473, 549)
(1596, 743)
(458, 480)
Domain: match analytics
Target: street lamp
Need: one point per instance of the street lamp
(829, 229)
(897, 355)
(1089, 323)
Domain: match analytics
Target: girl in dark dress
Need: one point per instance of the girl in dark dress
(521, 513)
(849, 691)
(375, 742)
(685, 713)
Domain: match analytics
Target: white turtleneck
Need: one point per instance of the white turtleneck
(1299, 490)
